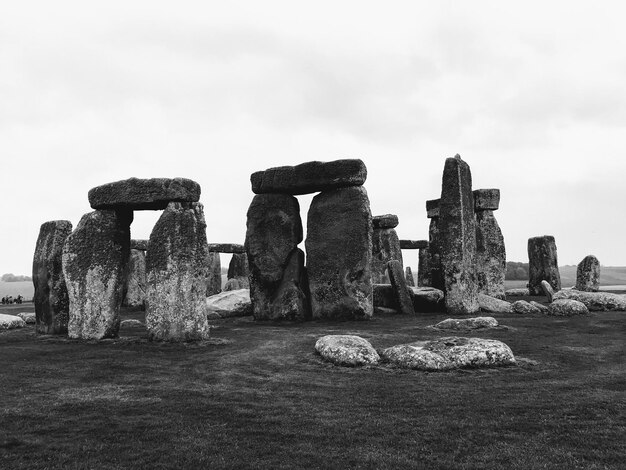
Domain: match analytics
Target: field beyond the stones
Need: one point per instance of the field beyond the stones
(256, 395)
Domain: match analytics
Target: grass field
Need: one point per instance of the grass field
(257, 396)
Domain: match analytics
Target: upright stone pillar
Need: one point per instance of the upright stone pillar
(339, 253)
(588, 274)
(490, 250)
(95, 259)
(177, 270)
(434, 258)
(457, 238)
(385, 246)
(543, 264)
(278, 287)
(51, 298)
(424, 275)
(136, 280)
(408, 274)
(238, 272)
(214, 273)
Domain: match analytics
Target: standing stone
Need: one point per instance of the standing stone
(51, 301)
(278, 287)
(238, 272)
(214, 274)
(177, 271)
(339, 252)
(424, 276)
(490, 249)
(435, 279)
(136, 280)
(457, 238)
(400, 289)
(542, 264)
(95, 259)
(408, 274)
(588, 274)
(385, 246)
(227, 247)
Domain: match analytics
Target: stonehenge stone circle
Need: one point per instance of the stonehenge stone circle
(214, 274)
(457, 238)
(435, 279)
(95, 257)
(136, 279)
(385, 246)
(176, 271)
(144, 194)
(310, 177)
(50, 298)
(424, 277)
(490, 250)
(400, 289)
(588, 274)
(238, 272)
(542, 264)
(408, 275)
(385, 221)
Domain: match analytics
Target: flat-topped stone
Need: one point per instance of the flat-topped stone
(413, 244)
(385, 221)
(432, 208)
(141, 245)
(144, 194)
(227, 248)
(486, 199)
(310, 177)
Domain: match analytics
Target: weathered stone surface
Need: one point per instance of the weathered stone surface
(385, 247)
(339, 254)
(177, 270)
(525, 308)
(236, 284)
(214, 274)
(310, 177)
(136, 279)
(9, 322)
(131, 323)
(519, 292)
(595, 301)
(227, 247)
(28, 317)
(425, 299)
(493, 305)
(385, 221)
(234, 303)
(144, 194)
(138, 244)
(413, 244)
(278, 287)
(95, 259)
(588, 274)
(238, 269)
(435, 277)
(424, 275)
(467, 323)
(542, 264)
(408, 276)
(547, 290)
(457, 238)
(346, 350)
(541, 308)
(567, 308)
(51, 300)
(408, 356)
(490, 255)
(432, 208)
(400, 289)
(486, 199)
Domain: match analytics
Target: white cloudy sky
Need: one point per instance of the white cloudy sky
(531, 94)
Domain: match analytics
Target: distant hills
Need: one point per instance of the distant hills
(10, 277)
(609, 275)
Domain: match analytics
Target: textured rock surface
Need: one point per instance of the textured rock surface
(467, 323)
(409, 356)
(435, 276)
(493, 305)
(541, 308)
(234, 303)
(136, 280)
(131, 323)
(385, 247)
(432, 208)
(525, 308)
(346, 350)
(457, 238)
(413, 244)
(236, 284)
(28, 317)
(588, 274)
(486, 199)
(490, 254)
(139, 244)
(177, 271)
(385, 221)
(95, 259)
(547, 290)
(339, 254)
(567, 308)
(9, 322)
(238, 269)
(595, 301)
(408, 276)
(520, 292)
(50, 298)
(424, 275)
(403, 297)
(278, 286)
(425, 299)
(310, 177)
(542, 264)
(227, 247)
(214, 274)
(144, 194)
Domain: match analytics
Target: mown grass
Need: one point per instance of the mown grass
(257, 396)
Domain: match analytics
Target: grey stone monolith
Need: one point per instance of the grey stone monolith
(433, 276)
(542, 264)
(136, 279)
(408, 275)
(238, 272)
(400, 289)
(588, 274)
(214, 274)
(385, 247)
(424, 276)
(490, 249)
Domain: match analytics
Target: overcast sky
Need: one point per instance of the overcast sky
(531, 94)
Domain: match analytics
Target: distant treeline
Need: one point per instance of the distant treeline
(10, 277)
(516, 271)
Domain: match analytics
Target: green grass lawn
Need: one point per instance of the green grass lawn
(257, 396)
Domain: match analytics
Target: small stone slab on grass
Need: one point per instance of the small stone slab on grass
(467, 323)
(595, 301)
(232, 303)
(525, 308)
(8, 322)
(493, 305)
(567, 308)
(346, 350)
(28, 317)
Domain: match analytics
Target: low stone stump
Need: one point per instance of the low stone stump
(525, 308)
(567, 308)
(233, 303)
(542, 264)
(346, 350)
(595, 301)
(9, 322)
(29, 317)
(467, 323)
(588, 274)
(493, 305)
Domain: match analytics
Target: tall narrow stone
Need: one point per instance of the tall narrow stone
(177, 272)
(385, 246)
(95, 259)
(424, 275)
(50, 298)
(588, 274)
(457, 238)
(542, 264)
(339, 254)
(435, 278)
(277, 275)
(400, 289)
(490, 249)
(408, 274)
(214, 274)
(238, 272)
(136, 279)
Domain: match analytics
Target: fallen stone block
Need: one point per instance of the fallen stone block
(9, 322)
(346, 350)
(28, 317)
(467, 323)
(233, 303)
(595, 301)
(567, 308)
(493, 305)
(518, 292)
(525, 308)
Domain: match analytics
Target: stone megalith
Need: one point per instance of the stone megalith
(588, 274)
(214, 274)
(385, 246)
(278, 286)
(400, 289)
(136, 279)
(424, 277)
(457, 238)
(408, 275)
(95, 260)
(542, 264)
(339, 254)
(238, 272)
(51, 300)
(490, 249)
(177, 271)
(434, 277)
